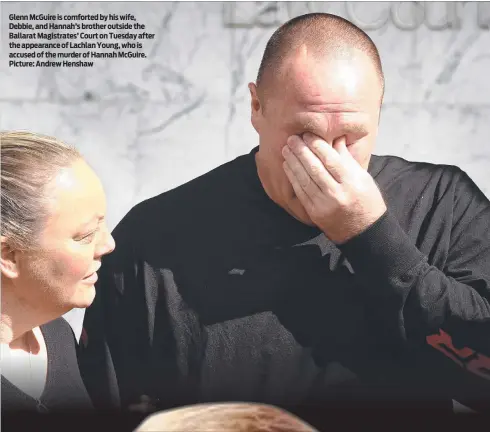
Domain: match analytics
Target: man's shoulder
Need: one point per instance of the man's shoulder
(388, 169)
(210, 183)
(218, 177)
(191, 203)
(405, 181)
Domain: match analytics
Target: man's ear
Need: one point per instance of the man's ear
(9, 262)
(256, 107)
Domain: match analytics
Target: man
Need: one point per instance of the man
(307, 273)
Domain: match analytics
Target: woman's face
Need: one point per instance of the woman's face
(60, 274)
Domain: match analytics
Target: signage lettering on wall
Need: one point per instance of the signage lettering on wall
(406, 16)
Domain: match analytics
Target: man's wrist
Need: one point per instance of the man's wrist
(383, 250)
(352, 230)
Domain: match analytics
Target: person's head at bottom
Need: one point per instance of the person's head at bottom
(225, 417)
(53, 231)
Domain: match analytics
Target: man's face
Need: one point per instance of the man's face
(329, 98)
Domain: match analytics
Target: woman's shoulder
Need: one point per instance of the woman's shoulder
(61, 344)
(58, 324)
(59, 330)
(65, 388)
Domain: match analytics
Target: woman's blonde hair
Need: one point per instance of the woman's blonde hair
(225, 417)
(29, 162)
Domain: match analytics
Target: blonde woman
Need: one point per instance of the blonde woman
(53, 237)
(225, 417)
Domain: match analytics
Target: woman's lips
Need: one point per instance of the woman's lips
(91, 278)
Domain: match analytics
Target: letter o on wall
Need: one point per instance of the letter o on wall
(376, 25)
(418, 13)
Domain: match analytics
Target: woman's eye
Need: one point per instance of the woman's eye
(89, 237)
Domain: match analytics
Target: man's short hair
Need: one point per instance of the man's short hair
(322, 33)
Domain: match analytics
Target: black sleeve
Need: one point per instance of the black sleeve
(142, 339)
(113, 336)
(419, 304)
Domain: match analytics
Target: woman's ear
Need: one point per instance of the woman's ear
(9, 262)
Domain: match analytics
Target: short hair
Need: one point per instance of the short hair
(225, 417)
(323, 33)
(29, 162)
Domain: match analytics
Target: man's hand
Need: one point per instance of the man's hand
(340, 196)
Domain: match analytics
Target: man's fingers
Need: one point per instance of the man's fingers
(341, 147)
(314, 167)
(298, 190)
(300, 172)
(330, 158)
